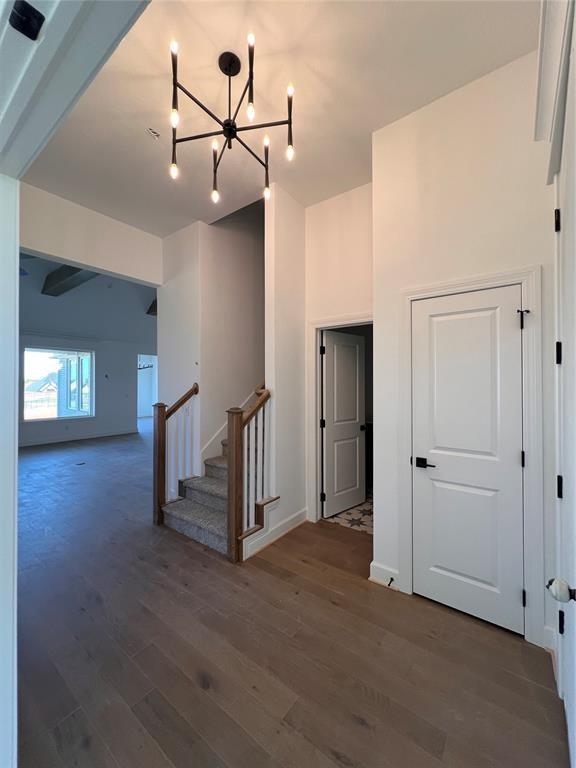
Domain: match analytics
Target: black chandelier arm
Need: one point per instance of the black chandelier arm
(247, 148)
(221, 155)
(262, 125)
(198, 136)
(199, 103)
(241, 100)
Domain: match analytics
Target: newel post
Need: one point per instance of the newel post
(159, 462)
(235, 482)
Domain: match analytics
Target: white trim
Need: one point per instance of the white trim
(312, 406)
(556, 22)
(551, 643)
(9, 259)
(530, 278)
(383, 575)
(263, 538)
(561, 98)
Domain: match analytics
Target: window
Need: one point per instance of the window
(58, 384)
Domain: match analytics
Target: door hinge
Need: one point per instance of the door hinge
(557, 220)
(322, 349)
(523, 458)
(322, 423)
(559, 487)
(523, 598)
(322, 496)
(522, 312)
(411, 460)
(560, 622)
(558, 353)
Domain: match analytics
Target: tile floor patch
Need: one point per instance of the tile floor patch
(360, 518)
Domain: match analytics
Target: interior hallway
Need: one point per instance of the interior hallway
(141, 649)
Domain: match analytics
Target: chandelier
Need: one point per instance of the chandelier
(229, 129)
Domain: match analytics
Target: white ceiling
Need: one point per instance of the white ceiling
(356, 66)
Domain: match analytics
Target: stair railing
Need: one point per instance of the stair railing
(173, 449)
(248, 471)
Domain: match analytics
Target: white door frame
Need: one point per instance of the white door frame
(313, 329)
(530, 279)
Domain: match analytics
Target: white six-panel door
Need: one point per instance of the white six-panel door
(467, 421)
(344, 443)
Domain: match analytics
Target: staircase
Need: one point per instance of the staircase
(229, 503)
(202, 511)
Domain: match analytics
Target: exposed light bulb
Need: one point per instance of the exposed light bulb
(266, 140)
(174, 171)
(174, 118)
(290, 90)
(250, 112)
(215, 196)
(174, 46)
(267, 193)
(215, 145)
(290, 152)
(251, 39)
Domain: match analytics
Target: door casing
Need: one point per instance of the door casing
(530, 280)
(313, 402)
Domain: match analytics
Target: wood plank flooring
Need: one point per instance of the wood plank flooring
(141, 649)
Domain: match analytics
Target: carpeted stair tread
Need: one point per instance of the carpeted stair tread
(200, 523)
(217, 461)
(214, 486)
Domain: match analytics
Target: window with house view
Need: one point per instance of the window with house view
(58, 384)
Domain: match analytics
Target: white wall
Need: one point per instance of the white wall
(147, 385)
(285, 324)
(339, 256)
(8, 463)
(179, 315)
(339, 287)
(106, 315)
(232, 317)
(457, 191)
(65, 231)
(210, 320)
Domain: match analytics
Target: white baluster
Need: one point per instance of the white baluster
(252, 472)
(245, 516)
(266, 450)
(259, 489)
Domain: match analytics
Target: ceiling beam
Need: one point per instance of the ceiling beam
(153, 308)
(64, 279)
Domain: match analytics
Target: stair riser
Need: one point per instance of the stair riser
(196, 533)
(206, 499)
(220, 472)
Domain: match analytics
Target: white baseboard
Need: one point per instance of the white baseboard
(255, 543)
(381, 574)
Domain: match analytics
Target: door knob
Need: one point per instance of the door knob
(362, 427)
(561, 590)
(422, 462)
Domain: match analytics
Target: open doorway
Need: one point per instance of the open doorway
(345, 391)
(147, 393)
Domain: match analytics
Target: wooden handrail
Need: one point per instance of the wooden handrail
(249, 413)
(194, 389)
(161, 415)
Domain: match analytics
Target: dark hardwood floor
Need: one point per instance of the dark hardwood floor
(141, 649)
